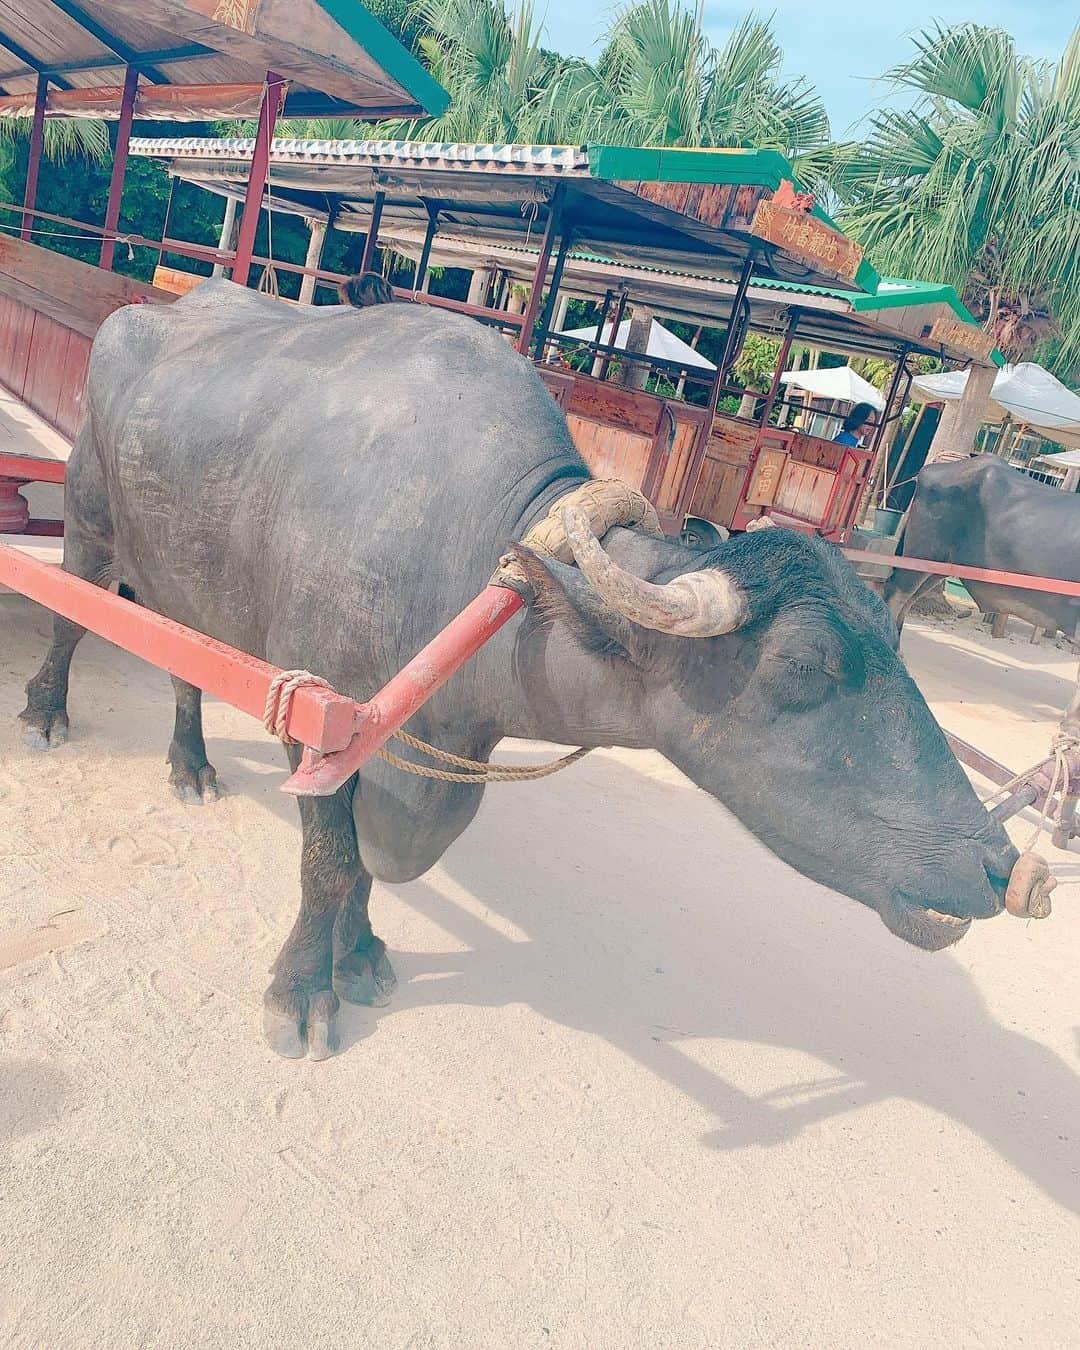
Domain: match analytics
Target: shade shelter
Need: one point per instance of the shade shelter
(718, 237)
(203, 59)
(167, 59)
(662, 343)
(1026, 392)
(838, 384)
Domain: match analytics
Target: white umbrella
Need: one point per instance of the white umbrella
(838, 382)
(1027, 392)
(663, 344)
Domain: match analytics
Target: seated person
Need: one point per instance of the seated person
(364, 289)
(858, 424)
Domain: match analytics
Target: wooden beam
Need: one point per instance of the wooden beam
(167, 56)
(21, 54)
(318, 718)
(128, 56)
(164, 102)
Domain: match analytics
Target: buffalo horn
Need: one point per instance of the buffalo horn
(698, 604)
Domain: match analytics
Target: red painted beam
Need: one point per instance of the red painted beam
(31, 468)
(33, 162)
(272, 100)
(1022, 580)
(120, 159)
(388, 710)
(318, 717)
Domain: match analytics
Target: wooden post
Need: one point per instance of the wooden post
(553, 290)
(272, 99)
(33, 163)
(532, 309)
(227, 237)
(312, 259)
(420, 276)
(609, 296)
(479, 286)
(371, 243)
(737, 302)
(879, 471)
(781, 365)
(616, 324)
(120, 158)
(165, 225)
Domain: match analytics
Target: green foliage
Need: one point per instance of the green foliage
(978, 185)
(757, 361)
(664, 84)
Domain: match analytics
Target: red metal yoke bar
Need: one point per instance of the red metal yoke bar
(388, 710)
(317, 717)
(338, 733)
(1022, 580)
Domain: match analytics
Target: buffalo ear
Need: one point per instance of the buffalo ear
(560, 594)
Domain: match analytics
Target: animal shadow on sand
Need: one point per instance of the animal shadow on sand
(664, 939)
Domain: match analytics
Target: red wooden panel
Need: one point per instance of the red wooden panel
(747, 196)
(69, 410)
(675, 467)
(16, 330)
(804, 491)
(48, 364)
(614, 406)
(610, 452)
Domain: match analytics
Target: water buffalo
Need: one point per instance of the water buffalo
(982, 513)
(325, 488)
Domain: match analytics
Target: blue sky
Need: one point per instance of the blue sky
(842, 44)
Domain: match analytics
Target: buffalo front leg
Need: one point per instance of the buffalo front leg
(301, 1003)
(45, 714)
(902, 589)
(362, 970)
(192, 776)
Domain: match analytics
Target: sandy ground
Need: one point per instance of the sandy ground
(642, 1086)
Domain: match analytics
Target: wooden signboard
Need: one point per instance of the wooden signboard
(954, 332)
(766, 477)
(806, 237)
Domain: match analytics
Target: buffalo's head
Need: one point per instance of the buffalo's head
(769, 674)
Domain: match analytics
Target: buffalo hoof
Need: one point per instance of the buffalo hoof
(195, 787)
(44, 730)
(301, 1024)
(366, 976)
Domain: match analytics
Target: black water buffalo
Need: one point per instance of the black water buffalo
(325, 488)
(982, 513)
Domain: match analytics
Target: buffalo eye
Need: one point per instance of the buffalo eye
(801, 680)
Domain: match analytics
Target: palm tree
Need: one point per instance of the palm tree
(978, 185)
(505, 85)
(65, 138)
(663, 83)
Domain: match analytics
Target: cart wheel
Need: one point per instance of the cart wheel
(702, 534)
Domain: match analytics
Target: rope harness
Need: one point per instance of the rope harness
(1061, 747)
(276, 712)
(607, 503)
